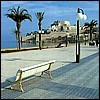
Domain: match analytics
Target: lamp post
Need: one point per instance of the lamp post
(66, 39)
(40, 42)
(80, 16)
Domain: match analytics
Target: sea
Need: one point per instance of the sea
(14, 44)
(9, 41)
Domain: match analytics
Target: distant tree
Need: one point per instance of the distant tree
(18, 15)
(40, 17)
(56, 23)
(91, 25)
(62, 28)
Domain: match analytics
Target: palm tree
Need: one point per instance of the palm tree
(18, 15)
(91, 25)
(39, 16)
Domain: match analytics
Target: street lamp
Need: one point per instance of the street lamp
(80, 16)
(40, 31)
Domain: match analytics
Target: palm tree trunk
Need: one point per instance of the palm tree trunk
(18, 29)
(17, 41)
(39, 34)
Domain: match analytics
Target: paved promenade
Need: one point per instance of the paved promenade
(70, 80)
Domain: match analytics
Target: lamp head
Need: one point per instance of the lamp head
(39, 31)
(81, 15)
(84, 18)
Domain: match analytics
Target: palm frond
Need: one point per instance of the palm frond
(22, 11)
(12, 16)
(13, 10)
(18, 10)
(39, 15)
(26, 16)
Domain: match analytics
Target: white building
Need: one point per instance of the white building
(60, 26)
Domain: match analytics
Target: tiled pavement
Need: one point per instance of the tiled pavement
(71, 81)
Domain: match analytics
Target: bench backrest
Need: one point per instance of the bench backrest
(29, 71)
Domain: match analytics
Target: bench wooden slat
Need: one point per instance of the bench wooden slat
(36, 66)
(28, 73)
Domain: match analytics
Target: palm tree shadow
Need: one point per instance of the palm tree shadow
(13, 59)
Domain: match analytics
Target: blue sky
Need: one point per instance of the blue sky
(54, 10)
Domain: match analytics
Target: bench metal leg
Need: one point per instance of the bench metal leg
(17, 83)
(41, 74)
(11, 87)
(20, 86)
(47, 71)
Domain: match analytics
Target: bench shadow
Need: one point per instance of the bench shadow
(6, 84)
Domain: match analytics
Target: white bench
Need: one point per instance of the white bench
(29, 71)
